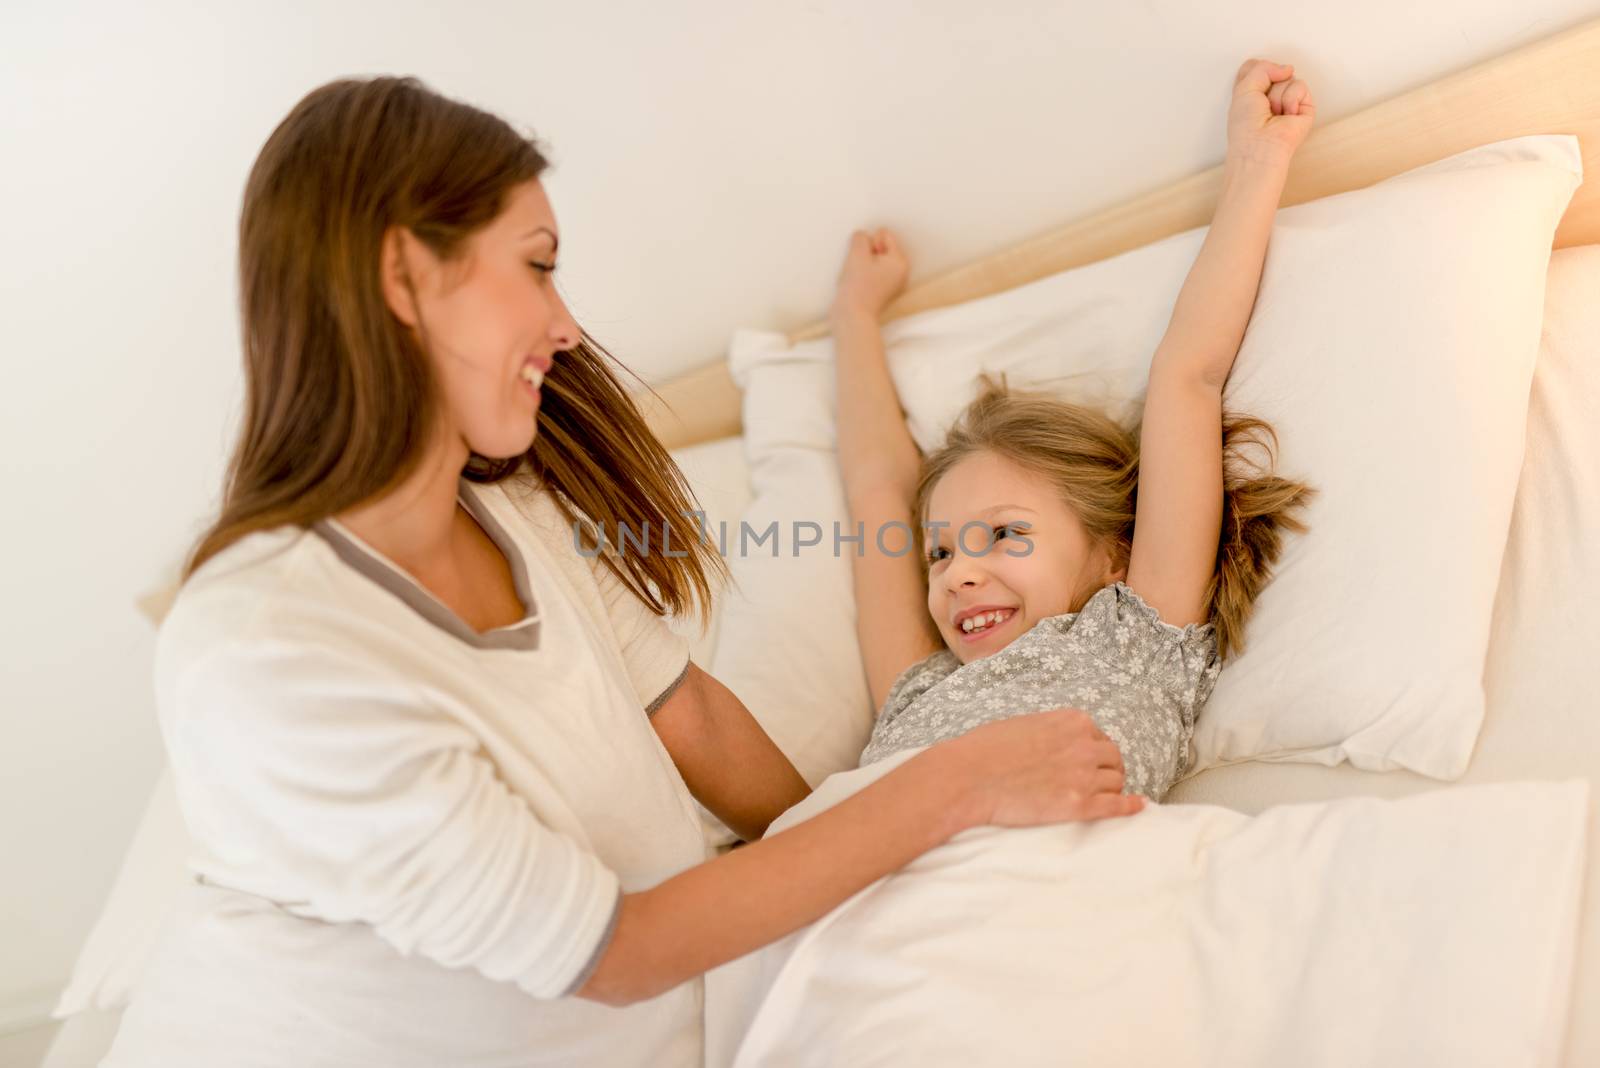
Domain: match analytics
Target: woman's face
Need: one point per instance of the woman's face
(492, 318)
(973, 572)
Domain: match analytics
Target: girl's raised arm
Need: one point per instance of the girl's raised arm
(879, 463)
(1178, 518)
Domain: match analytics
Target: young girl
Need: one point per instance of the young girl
(1070, 561)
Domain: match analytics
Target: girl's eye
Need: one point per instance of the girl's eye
(1001, 532)
(934, 555)
(542, 268)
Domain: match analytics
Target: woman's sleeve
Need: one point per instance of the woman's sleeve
(352, 800)
(656, 656)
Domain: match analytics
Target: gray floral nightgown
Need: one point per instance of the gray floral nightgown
(1141, 679)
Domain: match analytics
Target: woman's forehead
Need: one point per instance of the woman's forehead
(527, 213)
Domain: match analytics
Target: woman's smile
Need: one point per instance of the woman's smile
(532, 375)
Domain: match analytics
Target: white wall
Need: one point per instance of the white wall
(710, 160)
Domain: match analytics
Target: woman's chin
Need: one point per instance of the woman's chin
(507, 445)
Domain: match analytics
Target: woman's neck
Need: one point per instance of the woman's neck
(414, 523)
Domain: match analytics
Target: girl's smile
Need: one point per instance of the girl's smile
(975, 625)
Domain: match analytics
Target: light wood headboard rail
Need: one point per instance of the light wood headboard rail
(1551, 86)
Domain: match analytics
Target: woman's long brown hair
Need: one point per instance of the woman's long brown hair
(339, 397)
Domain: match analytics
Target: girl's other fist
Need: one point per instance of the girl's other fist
(874, 273)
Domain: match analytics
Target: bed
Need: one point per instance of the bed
(1539, 720)
(1539, 715)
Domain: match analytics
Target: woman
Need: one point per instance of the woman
(439, 760)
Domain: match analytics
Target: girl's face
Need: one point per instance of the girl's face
(493, 320)
(972, 573)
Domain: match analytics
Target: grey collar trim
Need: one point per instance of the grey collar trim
(358, 555)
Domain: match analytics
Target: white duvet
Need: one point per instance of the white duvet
(1434, 930)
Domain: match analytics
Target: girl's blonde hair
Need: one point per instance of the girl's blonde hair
(1093, 462)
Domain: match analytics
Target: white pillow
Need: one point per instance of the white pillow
(787, 643)
(1392, 345)
(717, 473)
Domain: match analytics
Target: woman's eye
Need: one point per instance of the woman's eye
(542, 268)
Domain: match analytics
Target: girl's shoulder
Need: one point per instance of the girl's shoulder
(1123, 603)
(1118, 622)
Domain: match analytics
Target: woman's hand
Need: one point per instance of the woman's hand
(874, 273)
(1271, 113)
(1046, 767)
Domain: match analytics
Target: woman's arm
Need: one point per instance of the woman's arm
(1178, 518)
(879, 464)
(1048, 767)
(728, 762)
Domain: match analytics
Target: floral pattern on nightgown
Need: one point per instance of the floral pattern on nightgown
(1141, 679)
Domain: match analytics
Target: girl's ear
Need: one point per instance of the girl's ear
(396, 255)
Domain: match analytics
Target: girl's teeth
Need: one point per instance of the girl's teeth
(981, 621)
(532, 375)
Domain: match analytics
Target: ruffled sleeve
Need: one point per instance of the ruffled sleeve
(1127, 633)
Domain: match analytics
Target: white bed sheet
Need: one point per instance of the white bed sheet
(1354, 931)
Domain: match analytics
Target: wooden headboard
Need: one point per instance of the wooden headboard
(1552, 86)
